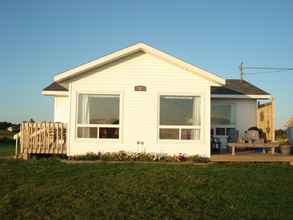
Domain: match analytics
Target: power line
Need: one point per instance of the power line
(267, 68)
(272, 70)
(265, 72)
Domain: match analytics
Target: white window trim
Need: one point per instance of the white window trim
(97, 140)
(201, 127)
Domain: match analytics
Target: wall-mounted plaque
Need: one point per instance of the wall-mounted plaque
(140, 88)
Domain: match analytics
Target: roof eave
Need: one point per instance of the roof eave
(246, 96)
(133, 49)
(54, 93)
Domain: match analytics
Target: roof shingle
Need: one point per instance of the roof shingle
(238, 87)
(55, 87)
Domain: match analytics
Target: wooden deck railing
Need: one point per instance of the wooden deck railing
(42, 138)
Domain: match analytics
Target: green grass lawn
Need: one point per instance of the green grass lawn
(7, 148)
(49, 189)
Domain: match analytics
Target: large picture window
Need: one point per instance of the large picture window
(98, 116)
(180, 118)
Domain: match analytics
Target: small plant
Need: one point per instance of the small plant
(122, 155)
(181, 157)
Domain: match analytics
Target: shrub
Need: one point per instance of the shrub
(168, 158)
(87, 156)
(107, 156)
(198, 159)
(122, 155)
(128, 156)
(142, 157)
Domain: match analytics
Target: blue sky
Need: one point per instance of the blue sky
(39, 39)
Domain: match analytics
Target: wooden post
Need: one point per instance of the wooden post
(57, 139)
(233, 149)
(16, 146)
(21, 138)
(273, 118)
(61, 134)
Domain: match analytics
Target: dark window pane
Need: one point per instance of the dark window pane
(222, 114)
(83, 132)
(179, 110)
(187, 134)
(109, 133)
(231, 131)
(220, 131)
(190, 134)
(212, 132)
(98, 109)
(166, 133)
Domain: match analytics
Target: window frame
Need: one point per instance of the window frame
(180, 127)
(225, 126)
(98, 126)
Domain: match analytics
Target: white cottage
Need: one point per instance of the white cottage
(142, 99)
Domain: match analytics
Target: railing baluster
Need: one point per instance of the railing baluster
(42, 138)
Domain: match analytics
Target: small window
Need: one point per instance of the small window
(108, 132)
(262, 116)
(221, 131)
(85, 132)
(190, 134)
(166, 133)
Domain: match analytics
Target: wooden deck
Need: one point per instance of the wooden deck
(252, 158)
(41, 138)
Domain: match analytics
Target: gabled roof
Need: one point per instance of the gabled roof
(238, 87)
(55, 87)
(131, 50)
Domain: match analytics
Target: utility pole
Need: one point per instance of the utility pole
(241, 71)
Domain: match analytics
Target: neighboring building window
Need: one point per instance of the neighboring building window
(180, 117)
(262, 116)
(98, 116)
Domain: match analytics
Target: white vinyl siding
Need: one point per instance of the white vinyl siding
(61, 109)
(139, 120)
